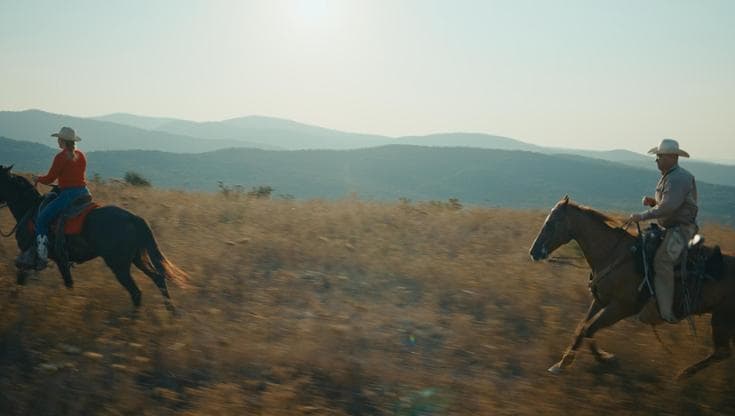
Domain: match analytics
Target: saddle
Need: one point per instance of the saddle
(65, 229)
(71, 219)
(696, 265)
(701, 261)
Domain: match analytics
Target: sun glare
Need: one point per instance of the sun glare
(309, 12)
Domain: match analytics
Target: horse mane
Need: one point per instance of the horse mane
(23, 183)
(599, 216)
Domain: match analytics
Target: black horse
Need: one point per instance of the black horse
(118, 236)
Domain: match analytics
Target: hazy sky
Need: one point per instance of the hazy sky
(585, 74)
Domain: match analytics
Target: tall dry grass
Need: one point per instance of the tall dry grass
(335, 308)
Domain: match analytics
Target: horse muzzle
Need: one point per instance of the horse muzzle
(539, 253)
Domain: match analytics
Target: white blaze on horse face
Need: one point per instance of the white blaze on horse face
(539, 250)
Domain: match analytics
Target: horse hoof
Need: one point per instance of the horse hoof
(555, 369)
(605, 357)
(172, 309)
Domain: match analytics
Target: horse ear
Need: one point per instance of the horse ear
(565, 199)
(6, 169)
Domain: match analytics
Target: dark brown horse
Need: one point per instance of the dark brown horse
(616, 281)
(120, 237)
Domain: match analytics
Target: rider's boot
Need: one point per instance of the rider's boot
(41, 252)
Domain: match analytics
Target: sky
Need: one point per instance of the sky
(583, 74)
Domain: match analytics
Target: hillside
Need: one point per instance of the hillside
(500, 178)
(715, 173)
(36, 126)
(122, 131)
(347, 307)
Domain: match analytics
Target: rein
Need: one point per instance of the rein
(596, 277)
(22, 219)
(5, 205)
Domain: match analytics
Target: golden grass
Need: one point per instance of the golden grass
(335, 308)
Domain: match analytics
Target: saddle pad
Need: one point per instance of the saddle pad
(71, 225)
(74, 224)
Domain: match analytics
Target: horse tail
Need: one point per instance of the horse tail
(152, 259)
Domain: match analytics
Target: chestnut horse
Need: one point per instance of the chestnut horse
(616, 283)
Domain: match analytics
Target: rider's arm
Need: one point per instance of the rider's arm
(673, 195)
(54, 172)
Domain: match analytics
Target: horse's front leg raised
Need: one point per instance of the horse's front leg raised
(568, 358)
(596, 319)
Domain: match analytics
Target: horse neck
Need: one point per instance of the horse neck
(596, 239)
(25, 202)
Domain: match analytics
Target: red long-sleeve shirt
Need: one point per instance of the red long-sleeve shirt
(69, 172)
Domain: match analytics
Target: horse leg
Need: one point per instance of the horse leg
(600, 355)
(568, 357)
(159, 280)
(122, 272)
(607, 316)
(65, 271)
(21, 276)
(722, 333)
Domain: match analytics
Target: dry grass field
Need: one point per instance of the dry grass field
(336, 308)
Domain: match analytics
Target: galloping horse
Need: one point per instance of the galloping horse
(118, 236)
(616, 281)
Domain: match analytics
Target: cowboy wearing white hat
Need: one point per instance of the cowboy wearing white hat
(69, 170)
(675, 208)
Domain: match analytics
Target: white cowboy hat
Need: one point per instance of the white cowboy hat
(668, 147)
(67, 133)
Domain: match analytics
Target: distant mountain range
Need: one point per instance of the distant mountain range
(311, 162)
(36, 126)
(502, 178)
(131, 132)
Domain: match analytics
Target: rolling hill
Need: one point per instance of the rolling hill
(37, 126)
(287, 134)
(500, 178)
(123, 131)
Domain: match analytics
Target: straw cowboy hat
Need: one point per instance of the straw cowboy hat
(668, 147)
(67, 133)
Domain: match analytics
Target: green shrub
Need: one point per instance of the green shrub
(260, 192)
(136, 179)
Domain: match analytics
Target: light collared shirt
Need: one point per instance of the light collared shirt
(676, 199)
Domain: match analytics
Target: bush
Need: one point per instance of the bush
(136, 179)
(230, 191)
(235, 191)
(260, 192)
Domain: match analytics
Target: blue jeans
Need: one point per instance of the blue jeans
(65, 197)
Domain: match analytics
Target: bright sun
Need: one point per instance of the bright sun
(309, 11)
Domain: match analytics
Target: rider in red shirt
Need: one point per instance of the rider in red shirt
(68, 169)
